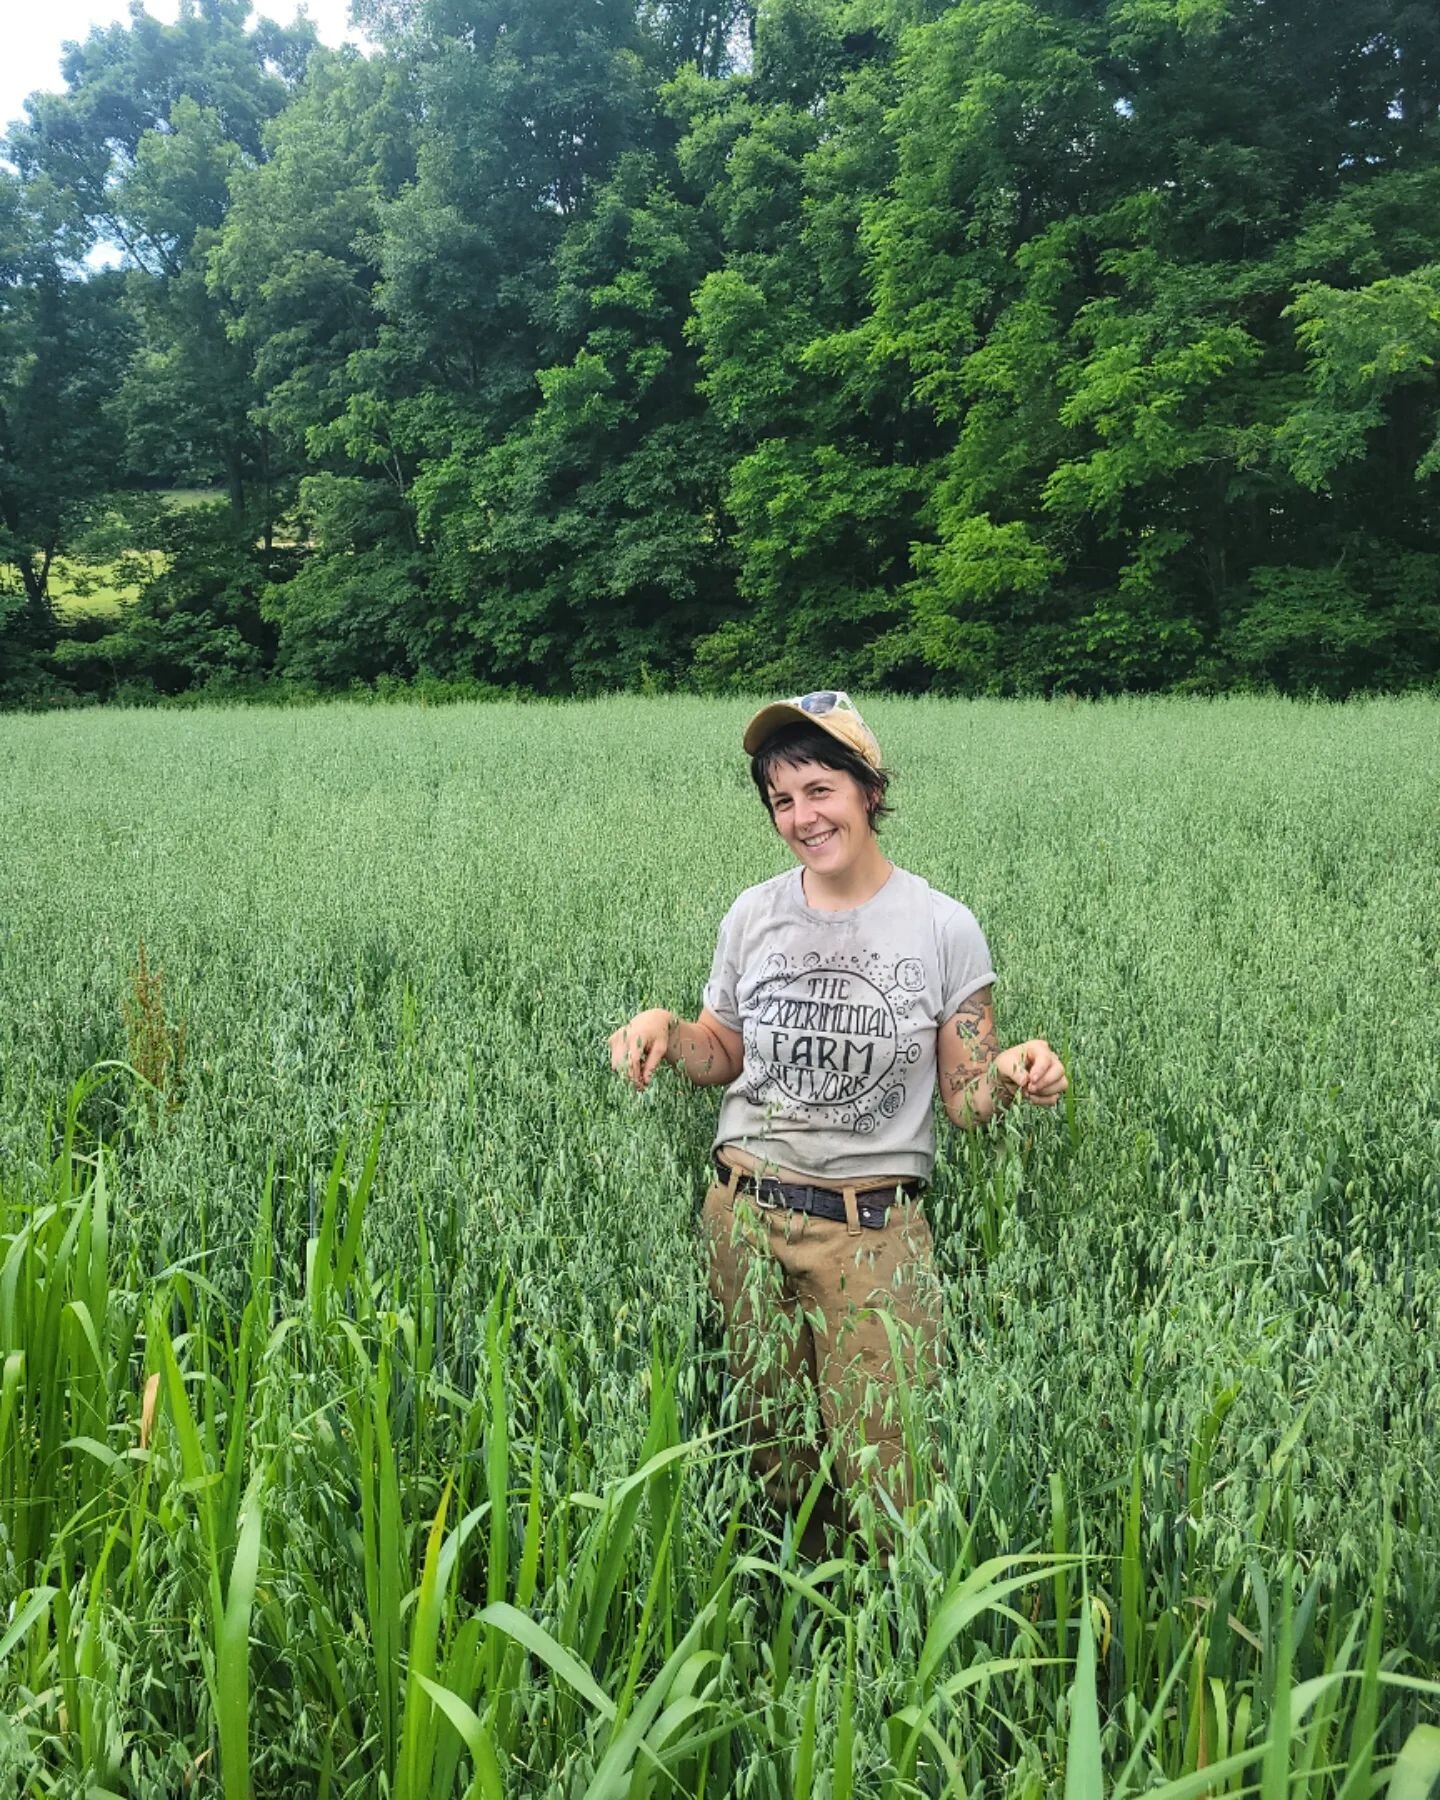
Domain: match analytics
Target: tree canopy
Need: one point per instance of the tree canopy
(1004, 346)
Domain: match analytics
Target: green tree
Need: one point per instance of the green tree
(525, 110)
(400, 338)
(591, 534)
(298, 263)
(297, 259)
(827, 448)
(140, 150)
(1018, 345)
(1087, 262)
(61, 340)
(200, 622)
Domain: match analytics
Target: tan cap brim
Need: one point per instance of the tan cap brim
(769, 719)
(844, 725)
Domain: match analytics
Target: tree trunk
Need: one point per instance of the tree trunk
(268, 497)
(42, 624)
(235, 480)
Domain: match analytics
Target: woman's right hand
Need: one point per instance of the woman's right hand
(1033, 1071)
(638, 1049)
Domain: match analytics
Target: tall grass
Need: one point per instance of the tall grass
(362, 1426)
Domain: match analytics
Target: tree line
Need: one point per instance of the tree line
(1007, 346)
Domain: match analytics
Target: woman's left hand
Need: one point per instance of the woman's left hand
(1033, 1070)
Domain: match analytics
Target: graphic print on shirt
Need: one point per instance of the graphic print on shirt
(825, 1039)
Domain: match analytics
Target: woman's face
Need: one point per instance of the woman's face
(821, 814)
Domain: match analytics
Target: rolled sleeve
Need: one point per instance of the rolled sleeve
(720, 994)
(964, 959)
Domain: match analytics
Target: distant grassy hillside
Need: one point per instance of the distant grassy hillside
(80, 587)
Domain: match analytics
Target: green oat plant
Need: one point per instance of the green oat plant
(261, 1489)
(364, 1423)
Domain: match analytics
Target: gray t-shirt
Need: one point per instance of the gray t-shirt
(838, 1011)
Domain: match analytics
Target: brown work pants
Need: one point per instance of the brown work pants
(825, 1317)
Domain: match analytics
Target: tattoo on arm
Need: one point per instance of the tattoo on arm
(979, 1042)
(970, 1022)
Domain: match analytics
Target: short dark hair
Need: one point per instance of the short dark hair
(795, 744)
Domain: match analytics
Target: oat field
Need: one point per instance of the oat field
(364, 1428)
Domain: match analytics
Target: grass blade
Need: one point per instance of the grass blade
(1417, 1767)
(232, 1651)
(488, 1783)
(539, 1642)
(1083, 1775)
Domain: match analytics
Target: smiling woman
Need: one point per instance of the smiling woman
(823, 788)
(840, 993)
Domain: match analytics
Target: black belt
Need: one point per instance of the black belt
(872, 1206)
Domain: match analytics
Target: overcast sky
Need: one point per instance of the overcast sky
(32, 31)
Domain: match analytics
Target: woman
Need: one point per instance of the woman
(840, 993)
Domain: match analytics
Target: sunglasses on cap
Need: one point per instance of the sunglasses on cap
(828, 700)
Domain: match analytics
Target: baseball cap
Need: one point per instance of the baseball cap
(831, 710)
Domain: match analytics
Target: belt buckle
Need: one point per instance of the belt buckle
(765, 1203)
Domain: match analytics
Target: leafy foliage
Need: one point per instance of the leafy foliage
(1014, 346)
